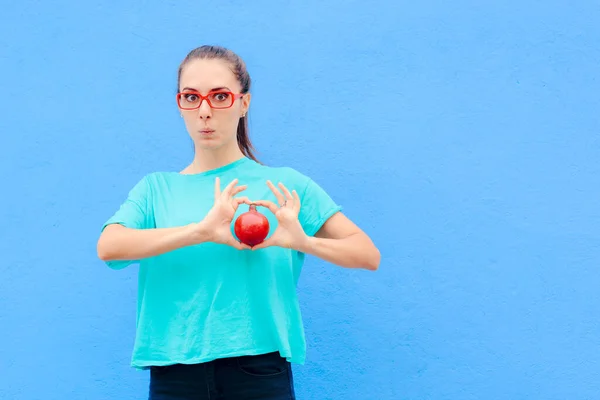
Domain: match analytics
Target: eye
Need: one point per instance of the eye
(190, 97)
(220, 96)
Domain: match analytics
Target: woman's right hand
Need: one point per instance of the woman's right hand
(216, 226)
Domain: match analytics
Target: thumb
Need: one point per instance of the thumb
(238, 245)
(266, 243)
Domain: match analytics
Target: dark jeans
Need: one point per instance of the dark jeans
(264, 377)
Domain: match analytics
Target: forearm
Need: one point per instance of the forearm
(121, 243)
(354, 251)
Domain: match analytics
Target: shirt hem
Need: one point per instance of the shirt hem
(146, 364)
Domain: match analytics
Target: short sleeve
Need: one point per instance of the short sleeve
(316, 208)
(134, 212)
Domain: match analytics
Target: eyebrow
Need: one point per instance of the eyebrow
(211, 90)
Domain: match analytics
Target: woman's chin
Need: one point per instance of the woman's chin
(206, 139)
(207, 142)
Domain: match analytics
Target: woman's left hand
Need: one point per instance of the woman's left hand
(289, 232)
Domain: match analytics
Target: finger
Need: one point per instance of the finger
(266, 243)
(268, 204)
(240, 200)
(238, 189)
(227, 191)
(287, 193)
(241, 246)
(238, 245)
(276, 192)
(296, 200)
(217, 188)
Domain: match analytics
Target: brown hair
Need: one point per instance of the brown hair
(238, 67)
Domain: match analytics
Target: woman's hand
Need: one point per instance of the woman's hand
(289, 232)
(216, 226)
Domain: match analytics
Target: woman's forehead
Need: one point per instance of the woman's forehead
(205, 75)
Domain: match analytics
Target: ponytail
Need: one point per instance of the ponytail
(244, 141)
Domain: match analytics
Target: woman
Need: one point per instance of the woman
(217, 318)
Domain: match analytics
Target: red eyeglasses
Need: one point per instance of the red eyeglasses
(191, 100)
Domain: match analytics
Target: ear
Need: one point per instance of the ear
(246, 103)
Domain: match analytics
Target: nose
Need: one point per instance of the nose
(204, 111)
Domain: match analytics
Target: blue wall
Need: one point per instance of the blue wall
(470, 131)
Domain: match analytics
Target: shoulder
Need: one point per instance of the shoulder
(159, 178)
(150, 182)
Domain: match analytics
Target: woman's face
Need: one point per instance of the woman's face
(208, 127)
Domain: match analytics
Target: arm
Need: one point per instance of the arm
(338, 241)
(341, 242)
(118, 242)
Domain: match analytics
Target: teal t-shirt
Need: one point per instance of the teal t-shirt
(209, 301)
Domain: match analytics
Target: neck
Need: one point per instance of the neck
(206, 160)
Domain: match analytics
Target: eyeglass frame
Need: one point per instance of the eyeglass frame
(202, 98)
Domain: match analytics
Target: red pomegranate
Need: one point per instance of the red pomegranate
(251, 227)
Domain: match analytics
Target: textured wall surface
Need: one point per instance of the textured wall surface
(462, 136)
